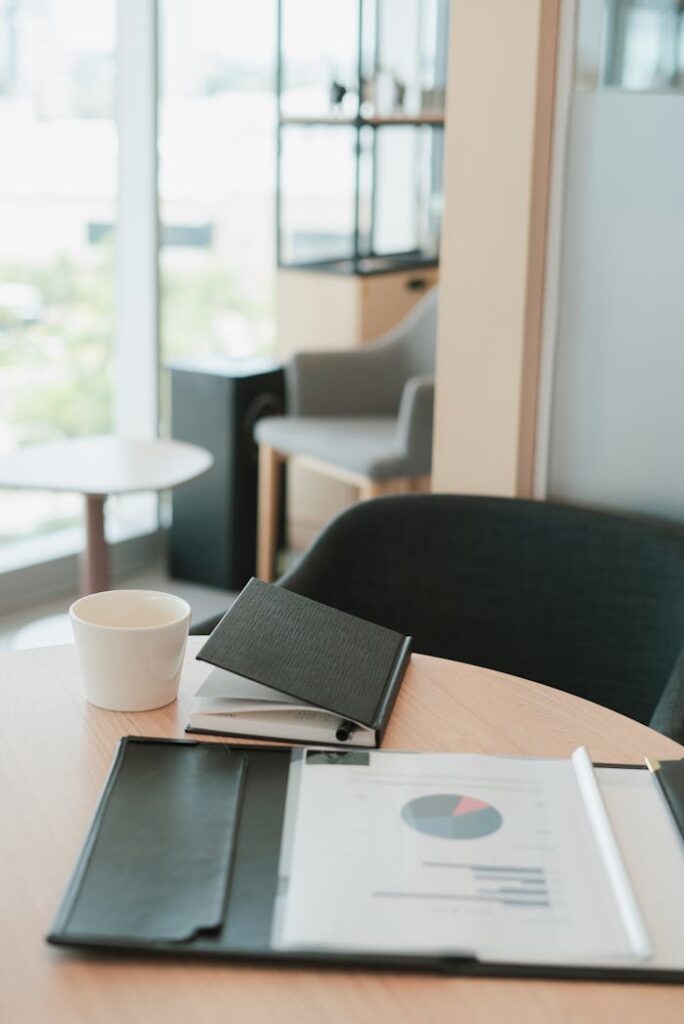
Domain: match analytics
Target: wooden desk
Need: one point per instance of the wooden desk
(55, 751)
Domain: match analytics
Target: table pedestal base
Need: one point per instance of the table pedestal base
(95, 558)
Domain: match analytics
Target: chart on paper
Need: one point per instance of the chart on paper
(451, 816)
(510, 886)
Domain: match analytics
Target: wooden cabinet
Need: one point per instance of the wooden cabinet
(316, 310)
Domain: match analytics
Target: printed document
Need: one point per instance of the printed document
(454, 854)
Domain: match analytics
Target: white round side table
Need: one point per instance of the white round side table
(97, 467)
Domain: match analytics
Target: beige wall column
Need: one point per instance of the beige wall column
(498, 154)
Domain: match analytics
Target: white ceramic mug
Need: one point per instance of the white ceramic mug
(130, 647)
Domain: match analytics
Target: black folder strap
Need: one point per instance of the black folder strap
(182, 852)
(182, 857)
(156, 864)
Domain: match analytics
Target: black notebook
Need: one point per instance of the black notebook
(289, 668)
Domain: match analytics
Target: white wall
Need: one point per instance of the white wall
(617, 421)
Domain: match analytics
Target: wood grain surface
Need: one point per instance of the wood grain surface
(55, 752)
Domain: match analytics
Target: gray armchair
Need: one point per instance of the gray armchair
(364, 416)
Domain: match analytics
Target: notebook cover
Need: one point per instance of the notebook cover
(318, 654)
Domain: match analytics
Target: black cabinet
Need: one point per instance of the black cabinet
(215, 403)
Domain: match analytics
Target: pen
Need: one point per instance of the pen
(344, 730)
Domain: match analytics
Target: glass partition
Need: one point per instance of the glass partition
(634, 45)
(319, 44)
(317, 193)
(360, 133)
(644, 44)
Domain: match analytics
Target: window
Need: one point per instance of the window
(645, 44)
(57, 184)
(217, 177)
(635, 45)
(64, 320)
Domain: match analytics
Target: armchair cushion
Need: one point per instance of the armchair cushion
(369, 445)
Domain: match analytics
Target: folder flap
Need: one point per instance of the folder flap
(161, 841)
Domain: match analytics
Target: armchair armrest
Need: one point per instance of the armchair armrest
(358, 382)
(414, 426)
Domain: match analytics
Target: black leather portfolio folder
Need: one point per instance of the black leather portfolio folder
(182, 858)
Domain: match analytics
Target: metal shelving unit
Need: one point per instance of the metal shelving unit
(373, 145)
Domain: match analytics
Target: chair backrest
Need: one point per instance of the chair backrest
(415, 337)
(584, 601)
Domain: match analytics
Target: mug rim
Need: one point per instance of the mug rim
(182, 616)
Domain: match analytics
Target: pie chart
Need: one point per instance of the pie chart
(451, 816)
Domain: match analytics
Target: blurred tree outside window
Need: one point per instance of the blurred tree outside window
(57, 179)
(58, 192)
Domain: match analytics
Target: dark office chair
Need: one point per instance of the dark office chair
(584, 601)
